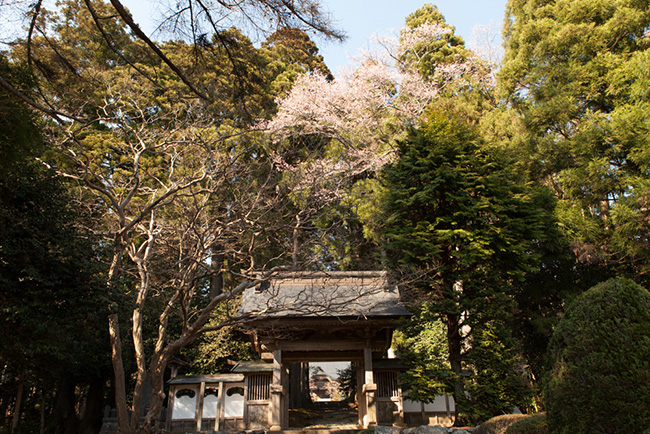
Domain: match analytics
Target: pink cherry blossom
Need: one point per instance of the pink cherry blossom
(365, 110)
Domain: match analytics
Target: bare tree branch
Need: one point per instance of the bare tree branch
(111, 45)
(55, 114)
(128, 19)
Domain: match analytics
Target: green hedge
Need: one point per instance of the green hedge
(600, 379)
(535, 424)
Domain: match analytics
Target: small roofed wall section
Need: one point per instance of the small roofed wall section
(209, 402)
(394, 409)
(257, 394)
(439, 412)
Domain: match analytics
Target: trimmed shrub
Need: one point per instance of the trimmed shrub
(535, 424)
(600, 378)
(498, 424)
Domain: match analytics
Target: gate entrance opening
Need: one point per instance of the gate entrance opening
(320, 396)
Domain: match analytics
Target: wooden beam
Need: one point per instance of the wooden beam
(334, 356)
(322, 345)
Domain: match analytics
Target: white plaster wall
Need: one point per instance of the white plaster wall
(234, 402)
(184, 406)
(438, 405)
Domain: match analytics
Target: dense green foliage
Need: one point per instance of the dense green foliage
(461, 226)
(535, 424)
(19, 136)
(49, 267)
(601, 362)
(577, 73)
(575, 88)
(423, 347)
(48, 273)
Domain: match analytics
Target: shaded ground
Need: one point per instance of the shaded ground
(325, 415)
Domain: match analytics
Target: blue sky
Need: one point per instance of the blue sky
(360, 19)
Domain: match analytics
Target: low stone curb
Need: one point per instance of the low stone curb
(424, 429)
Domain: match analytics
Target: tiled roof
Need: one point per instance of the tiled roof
(359, 294)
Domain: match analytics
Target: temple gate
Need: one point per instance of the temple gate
(299, 318)
(323, 316)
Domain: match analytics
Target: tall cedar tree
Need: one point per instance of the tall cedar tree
(578, 72)
(576, 79)
(460, 223)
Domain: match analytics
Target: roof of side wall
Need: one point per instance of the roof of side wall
(210, 379)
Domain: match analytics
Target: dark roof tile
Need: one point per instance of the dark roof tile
(357, 294)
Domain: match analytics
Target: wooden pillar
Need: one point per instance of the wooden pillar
(170, 408)
(220, 407)
(369, 388)
(400, 423)
(198, 414)
(361, 398)
(276, 392)
(247, 398)
(284, 416)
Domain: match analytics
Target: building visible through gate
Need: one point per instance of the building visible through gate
(300, 318)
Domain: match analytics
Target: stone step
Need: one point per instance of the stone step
(332, 430)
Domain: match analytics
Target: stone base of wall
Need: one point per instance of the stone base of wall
(429, 418)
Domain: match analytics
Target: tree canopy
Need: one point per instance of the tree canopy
(577, 72)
